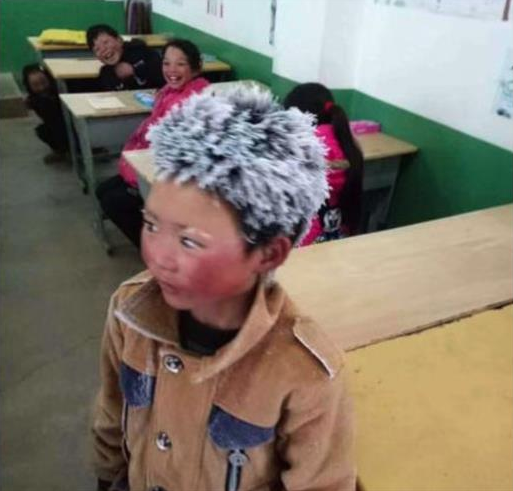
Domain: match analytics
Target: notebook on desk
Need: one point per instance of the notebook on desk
(105, 102)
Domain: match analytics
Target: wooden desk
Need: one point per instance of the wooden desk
(64, 69)
(382, 154)
(102, 128)
(434, 410)
(45, 51)
(378, 286)
(86, 68)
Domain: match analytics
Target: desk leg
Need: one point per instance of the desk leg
(61, 86)
(87, 156)
(383, 179)
(384, 206)
(378, 186)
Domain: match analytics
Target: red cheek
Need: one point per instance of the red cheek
(218, 275)
(203, 276)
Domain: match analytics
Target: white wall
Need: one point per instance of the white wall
(442, 67)
(299, 39)
(343, 31)
(244, 22)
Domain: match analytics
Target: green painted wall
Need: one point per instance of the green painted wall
(22, 18)
(246, 64)
(452, 173)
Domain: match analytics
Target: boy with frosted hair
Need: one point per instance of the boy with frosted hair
(212, 379)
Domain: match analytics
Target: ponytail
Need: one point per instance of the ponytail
(351, 198)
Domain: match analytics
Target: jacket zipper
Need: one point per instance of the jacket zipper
(237, 458)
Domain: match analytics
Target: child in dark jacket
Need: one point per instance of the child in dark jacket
(43, 99)
(129, 65)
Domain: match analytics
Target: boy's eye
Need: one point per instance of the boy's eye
(189, 243)
(149, 226)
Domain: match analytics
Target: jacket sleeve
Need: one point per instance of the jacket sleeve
(108, 459)
(316, 439)
(154, 76)
(107, 79)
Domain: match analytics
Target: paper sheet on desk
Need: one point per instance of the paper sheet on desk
(105, 102)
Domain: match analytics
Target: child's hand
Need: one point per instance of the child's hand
(124, 70)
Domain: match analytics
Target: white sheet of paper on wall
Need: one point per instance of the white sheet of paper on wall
(105, 102)
(504, 99)
(478, 9)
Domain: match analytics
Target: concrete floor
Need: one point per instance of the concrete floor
(55, 283)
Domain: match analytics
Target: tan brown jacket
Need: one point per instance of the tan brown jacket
(269, 411)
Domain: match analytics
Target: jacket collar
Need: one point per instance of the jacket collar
(147, 313)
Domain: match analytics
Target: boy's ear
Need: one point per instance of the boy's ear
(274, 254)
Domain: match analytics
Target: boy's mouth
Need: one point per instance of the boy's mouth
(109, 57)
(168, 287)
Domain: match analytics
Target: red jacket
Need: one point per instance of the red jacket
(336, 181)
(166, 98)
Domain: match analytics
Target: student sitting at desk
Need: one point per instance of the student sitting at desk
(127, 65)
(119, 196)
(339, 216)
(43, 99)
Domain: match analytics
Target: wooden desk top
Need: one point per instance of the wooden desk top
(374, 146)
(381, 285)
(381, 146)
(73, 68)
(152, 40)
(84, 68)
(80, 104)
(434, 410)
(377, 146)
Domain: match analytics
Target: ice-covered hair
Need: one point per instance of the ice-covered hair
(265, 161)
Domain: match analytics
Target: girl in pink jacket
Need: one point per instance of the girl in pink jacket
(339, 216)
(119, 196)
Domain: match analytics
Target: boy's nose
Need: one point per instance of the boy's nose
(165, 255)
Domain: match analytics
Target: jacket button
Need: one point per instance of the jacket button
(163, 441)
(173, 363)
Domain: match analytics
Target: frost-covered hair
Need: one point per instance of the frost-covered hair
(243, 146)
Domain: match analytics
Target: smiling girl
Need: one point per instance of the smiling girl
(119, 196)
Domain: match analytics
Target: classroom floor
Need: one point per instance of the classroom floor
(55, 282)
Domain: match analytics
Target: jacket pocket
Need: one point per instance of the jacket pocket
(138, 391)
(138, 388)
(235, 436)
(229, 432)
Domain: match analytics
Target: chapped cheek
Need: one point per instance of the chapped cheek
(215, 276)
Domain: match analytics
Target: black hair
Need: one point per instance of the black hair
(189, 49)
(94, 31)
(317, 99)
(36, 68)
